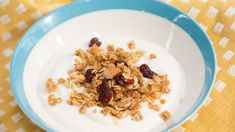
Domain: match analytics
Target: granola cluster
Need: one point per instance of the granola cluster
(110, 78)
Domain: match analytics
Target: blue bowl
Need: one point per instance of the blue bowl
(81, 7)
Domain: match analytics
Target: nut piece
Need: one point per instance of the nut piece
(111, 71)
(165, 115)
(152, 56)
(131, 44)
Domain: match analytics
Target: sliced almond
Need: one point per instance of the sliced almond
(110, 72)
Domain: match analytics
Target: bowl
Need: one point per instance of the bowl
(183, 51)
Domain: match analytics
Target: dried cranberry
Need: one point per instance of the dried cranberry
(120, 61)
(105, 93)
(146, 71)
(119, 79)
(104, 83)
(90, 74)
(95, 41)
(130, 81)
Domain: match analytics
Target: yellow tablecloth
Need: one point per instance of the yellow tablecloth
(217, 18)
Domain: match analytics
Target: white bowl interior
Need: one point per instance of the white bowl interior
(177, 55)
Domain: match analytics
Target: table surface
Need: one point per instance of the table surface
(217, 18)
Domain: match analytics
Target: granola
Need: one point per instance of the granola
(152, 56)
(163, 101)
(52, 100)
(165, 115)
(131, 45)
(112, 80)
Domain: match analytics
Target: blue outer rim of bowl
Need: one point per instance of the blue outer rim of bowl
(80, 7)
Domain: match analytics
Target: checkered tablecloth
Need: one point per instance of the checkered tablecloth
(216, 17)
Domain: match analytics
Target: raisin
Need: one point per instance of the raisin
(120, 61)
(95, 41)
(90, 74)
(119, 79)
(146, 71)
(130, 81)
(105, 93)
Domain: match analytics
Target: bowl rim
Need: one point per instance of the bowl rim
(64, 13)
